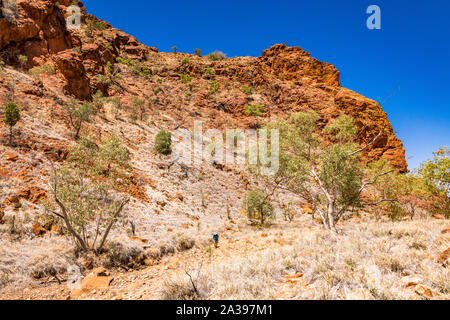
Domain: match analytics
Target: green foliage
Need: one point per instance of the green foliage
(210, 73)
(329, 176)
(257, 206)
(126, 61)
(11, 117)
(185, 78)
(256, 110)
(46, 68)
(139, 104)
(142, 70)
(198, 52)
(214, 87)
(436, 172)
(94, 25)
(174, 49)
(342, 129)
(78, 114)
(436, 175)
(163, 142)
(247, 89)
(185, 61)
(109, 46)
(83, 190)
(22, 60)
(217, 55)
(157, 90)
(104, 79)
(2, 64)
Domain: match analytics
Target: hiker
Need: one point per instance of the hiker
(216, 239)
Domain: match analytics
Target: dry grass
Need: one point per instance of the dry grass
(369, 257)
(21, 262)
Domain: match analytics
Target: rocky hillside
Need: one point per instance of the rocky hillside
(174, 209)
(284, 79)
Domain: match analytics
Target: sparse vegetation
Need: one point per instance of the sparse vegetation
(217, 55)
(46, 68)
(335, 170)
(248, 90)
(142, 70)
(126, 61)
(86, 204)
(23, 60)
(258, 207)
(11, 117)
(163, 142)
(185, 78)
(255, 110)
(94, 25)
(78, 114)
(214, 87)
(198, 52)
(436, 175)
(210, 73)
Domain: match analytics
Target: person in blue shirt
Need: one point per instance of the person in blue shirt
(216, 239)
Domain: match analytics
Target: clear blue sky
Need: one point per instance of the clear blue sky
(411, 51)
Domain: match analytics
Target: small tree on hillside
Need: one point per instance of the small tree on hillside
(139, 104)
(258, 207)
(83, 191)
(12, 116)
(78, 114)
(436, 174)
(163, 142)
(23, 60)
(329, 177)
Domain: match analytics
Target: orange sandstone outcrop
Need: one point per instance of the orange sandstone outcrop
(283, 79)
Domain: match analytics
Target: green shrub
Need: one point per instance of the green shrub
(258, 207)
(142, 70)
(103, 79)
(185, 78)
(256, 110)
(45, 68)
(247, 89)
(95, 25)
(163, 142)
(210, 73)
(198, 52)
(78, 114)
(11, 117)
(214, 87)
(126, 61)
(22, 60)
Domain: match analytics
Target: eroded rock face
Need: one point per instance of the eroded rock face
(35, 28)
(295, 64)
(284, 79)
(71, 66)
